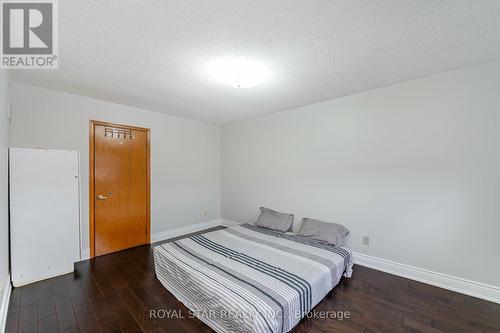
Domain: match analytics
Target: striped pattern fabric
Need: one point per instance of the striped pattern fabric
(250, 279)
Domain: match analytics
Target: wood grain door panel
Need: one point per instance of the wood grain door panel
(121, 187)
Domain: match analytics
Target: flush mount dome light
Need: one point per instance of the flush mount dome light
(237, 72)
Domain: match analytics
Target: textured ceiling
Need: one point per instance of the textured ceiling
(154, 54)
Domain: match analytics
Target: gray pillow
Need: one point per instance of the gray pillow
(331, 233)
(274, 220)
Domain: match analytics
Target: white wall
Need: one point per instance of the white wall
(414, 166)
(4, 203)
(185, 154)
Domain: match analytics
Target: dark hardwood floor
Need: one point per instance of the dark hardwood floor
(115, 293)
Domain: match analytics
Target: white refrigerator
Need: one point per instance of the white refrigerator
(44, 213)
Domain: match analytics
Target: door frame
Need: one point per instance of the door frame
(92, 124)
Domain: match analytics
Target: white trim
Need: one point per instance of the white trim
(4, 306)
(229, 223)
(85, 254)
(464, 286)
(460, 285)
(161, 236)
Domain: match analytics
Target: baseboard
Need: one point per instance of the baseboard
(464, 286)
(228, 223)
(161, 236)
(85, 254)
(4, 305)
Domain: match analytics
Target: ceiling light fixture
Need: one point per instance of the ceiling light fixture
(237, 72)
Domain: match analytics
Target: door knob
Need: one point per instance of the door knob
(101, 197)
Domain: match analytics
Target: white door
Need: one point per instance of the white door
(44, 213)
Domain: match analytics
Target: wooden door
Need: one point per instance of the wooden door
(119, 187)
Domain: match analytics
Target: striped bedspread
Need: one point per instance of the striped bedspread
(249, 279)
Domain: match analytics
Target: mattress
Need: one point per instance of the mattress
(250, 279)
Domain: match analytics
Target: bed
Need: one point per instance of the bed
(250, 279)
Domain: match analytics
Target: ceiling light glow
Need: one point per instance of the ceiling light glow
(237, 72)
